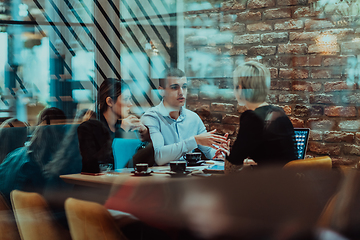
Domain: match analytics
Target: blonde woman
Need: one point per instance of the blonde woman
(266, 135)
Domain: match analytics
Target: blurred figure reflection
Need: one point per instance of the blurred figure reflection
(205, 212)
(51, 115)
(266, 134)
(23, 168)
(13, 134)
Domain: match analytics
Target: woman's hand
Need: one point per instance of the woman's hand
(249, 162)
(223, 150)
(132, 123)
(210, 139)
(144, 134)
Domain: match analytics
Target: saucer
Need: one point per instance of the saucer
(147, 173)
(198, 163)
(179, 174)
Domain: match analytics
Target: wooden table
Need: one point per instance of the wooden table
(108, 180)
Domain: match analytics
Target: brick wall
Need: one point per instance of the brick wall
(315, 84)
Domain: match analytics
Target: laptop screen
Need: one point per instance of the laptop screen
(301, 141)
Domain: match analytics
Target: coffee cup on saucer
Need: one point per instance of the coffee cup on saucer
(141, 167)
(193, 158)
(178, 166)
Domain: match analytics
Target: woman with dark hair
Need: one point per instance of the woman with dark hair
(95, 137)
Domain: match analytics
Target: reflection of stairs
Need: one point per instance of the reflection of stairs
(33, 111)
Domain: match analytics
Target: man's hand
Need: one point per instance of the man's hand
(210, 139)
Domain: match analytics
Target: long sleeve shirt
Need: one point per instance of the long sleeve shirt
(174, 138)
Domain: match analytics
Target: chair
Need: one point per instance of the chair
(90, 221)
(8, 227)
(327, 214)
(323, 163)
(34, 219)
(123, 150)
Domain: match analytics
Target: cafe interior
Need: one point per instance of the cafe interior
(57, 55)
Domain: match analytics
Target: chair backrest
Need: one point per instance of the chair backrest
(11, 139)
(34, 218)
(123, 150)
(8, 229)
(327, 214)
(323, 162)
(90, 221)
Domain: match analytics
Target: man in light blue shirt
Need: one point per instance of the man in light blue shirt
(175, 130)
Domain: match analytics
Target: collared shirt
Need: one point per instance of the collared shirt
(174, 138)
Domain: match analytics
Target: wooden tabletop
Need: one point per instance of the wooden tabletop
(119, 178)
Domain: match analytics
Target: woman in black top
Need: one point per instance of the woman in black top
(95, 137)
(266, 135)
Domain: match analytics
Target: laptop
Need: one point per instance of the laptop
(301, 141)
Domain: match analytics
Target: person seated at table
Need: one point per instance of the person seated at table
(175, 130)
(95, 137)
(266, 134)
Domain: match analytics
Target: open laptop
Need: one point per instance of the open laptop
(301, 141)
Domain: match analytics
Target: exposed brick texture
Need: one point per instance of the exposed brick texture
(335, 136)
(293, 73)
(340, 111)
(293, 48)
(291, 2)
(248, 16)
(306, 86)
(324, 149)
(303, 36)
(246, 39)
(254, 27)
(277, 13)
(316, 135)
(302, 12)
(297, 122)
(262, 50)
(316, 82)
(289, 25)
(222, 107)
(335, 86)
(231, 119)
(321, 73)
(352, 149)
(323, 124)
(274, 37)
(306, 61)
(253, 4)
(317, 24)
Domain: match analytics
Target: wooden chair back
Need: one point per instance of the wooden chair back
(321, 163)
(8, 229)
(90, 221)
(34, 218)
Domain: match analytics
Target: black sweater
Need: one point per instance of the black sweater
(95, 143)
(266, 135)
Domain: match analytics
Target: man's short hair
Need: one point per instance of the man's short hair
(254, 79)
(170, 72)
